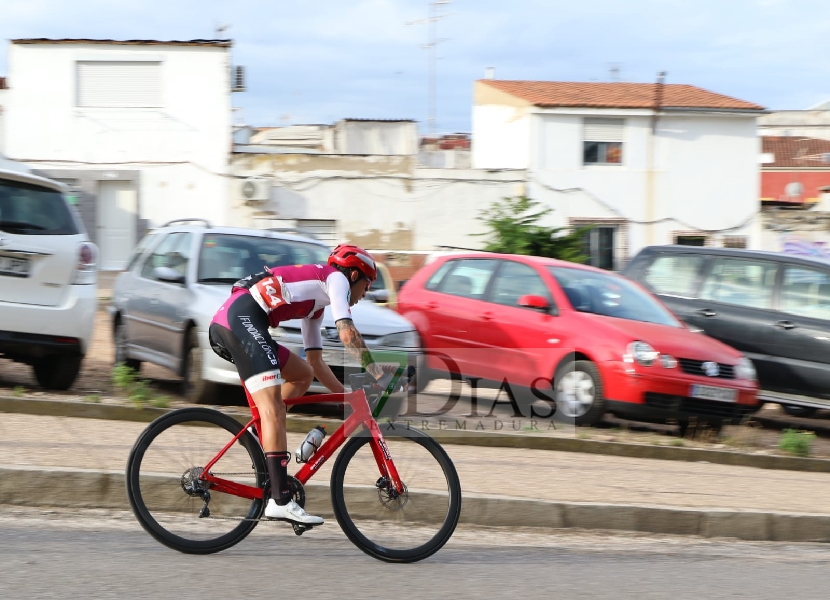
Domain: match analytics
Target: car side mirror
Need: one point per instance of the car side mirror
(535, 302)
(168, 275)
(378, 296)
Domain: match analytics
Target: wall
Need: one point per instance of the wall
(180, 150)
(800, 123)
(774, 185)
(501, 138)
(379, 202)
(800, 232)
(3, 101)
(386, 138)
(703, 175)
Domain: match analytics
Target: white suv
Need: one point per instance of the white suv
(48, 277)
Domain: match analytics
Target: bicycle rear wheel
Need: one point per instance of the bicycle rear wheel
(406, 528)
(164, 490)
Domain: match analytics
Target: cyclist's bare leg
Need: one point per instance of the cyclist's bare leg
(297, 376)
(301, 377)
(269, 403)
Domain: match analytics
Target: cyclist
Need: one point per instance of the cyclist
(270, 372)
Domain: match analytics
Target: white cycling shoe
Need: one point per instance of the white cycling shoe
(292, 512)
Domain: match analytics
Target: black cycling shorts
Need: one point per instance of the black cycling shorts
(245, 341)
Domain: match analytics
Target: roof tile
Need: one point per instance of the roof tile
(796, 151)
(617, 95)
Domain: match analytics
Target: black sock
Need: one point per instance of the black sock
(278, 473)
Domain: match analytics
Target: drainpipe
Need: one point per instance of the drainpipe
(658, 101)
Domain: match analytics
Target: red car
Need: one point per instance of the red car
(596, 341)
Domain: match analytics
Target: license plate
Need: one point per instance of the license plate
(710, 392)
(14, 267)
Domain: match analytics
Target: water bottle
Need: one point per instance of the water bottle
(310, 444)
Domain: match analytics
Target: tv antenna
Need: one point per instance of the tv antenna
(435, 14)
(221, 28)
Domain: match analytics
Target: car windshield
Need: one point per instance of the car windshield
(27, 209)
(227, 258)
(611, 296)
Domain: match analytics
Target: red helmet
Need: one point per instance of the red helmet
(353, 257)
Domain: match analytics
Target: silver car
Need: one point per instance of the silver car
(181, 273)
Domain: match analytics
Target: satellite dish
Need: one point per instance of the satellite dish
(794, 189)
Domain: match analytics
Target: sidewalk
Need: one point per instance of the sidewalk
(40, 457)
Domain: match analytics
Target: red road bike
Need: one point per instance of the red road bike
(197, 481)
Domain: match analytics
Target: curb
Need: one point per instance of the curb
(298, 424)
(85, 488)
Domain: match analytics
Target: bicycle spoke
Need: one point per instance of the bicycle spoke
(168, 495)
(404, 527)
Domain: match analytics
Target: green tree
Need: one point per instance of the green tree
(515, 229)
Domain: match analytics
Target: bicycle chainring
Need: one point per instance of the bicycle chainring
(294, 485)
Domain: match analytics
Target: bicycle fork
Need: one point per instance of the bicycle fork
(389, 481)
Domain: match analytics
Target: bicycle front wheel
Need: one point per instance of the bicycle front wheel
(166, 494)
(396, 528)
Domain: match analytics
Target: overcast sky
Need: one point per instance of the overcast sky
(324, 60)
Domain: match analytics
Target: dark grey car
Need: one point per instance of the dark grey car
(774, 307)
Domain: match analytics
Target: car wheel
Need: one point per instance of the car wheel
(194, 387)
(805, 412)
(579, 393)
(57, 372)
(120, 343)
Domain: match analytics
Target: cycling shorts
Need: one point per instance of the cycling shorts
(239, 334)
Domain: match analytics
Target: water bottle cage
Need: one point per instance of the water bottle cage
(303, 453)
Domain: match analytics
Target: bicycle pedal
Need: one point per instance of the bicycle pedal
(301, 529)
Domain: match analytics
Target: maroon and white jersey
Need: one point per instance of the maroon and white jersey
(300, 292)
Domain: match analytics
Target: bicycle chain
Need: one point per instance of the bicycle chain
(241, 518)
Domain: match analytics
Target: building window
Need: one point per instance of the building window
(599, 245)
(119, 84)
(603, 141)
(690, 238)
(605, 243)
(734, 241)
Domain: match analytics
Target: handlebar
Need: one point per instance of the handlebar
(370, 386)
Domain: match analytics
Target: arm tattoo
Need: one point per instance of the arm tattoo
(355, 345)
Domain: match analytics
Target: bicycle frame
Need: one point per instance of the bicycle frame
(361, 415)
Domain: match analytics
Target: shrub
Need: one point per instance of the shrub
(123, 377)
(797, 443)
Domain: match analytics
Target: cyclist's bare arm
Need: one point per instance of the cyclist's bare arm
(323, 372)
(354, 344)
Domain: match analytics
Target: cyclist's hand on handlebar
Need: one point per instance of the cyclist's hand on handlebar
(384, 381)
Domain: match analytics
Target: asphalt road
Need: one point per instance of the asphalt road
(104, 554)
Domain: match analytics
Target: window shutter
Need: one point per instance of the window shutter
(133, 84)
(603, 130)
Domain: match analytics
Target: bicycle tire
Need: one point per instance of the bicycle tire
(174, 509)
(434, 508)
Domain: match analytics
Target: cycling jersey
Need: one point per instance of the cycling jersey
(239, 329)
(300, 292)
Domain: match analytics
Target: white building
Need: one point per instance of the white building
(3, 93)
(644, 163)
(812, 123)
(362, 184)
(141, 129)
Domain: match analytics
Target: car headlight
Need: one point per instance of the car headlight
(745, 370)
(641, 353)
(403, 339)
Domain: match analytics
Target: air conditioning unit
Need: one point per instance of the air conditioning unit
(255, 190)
